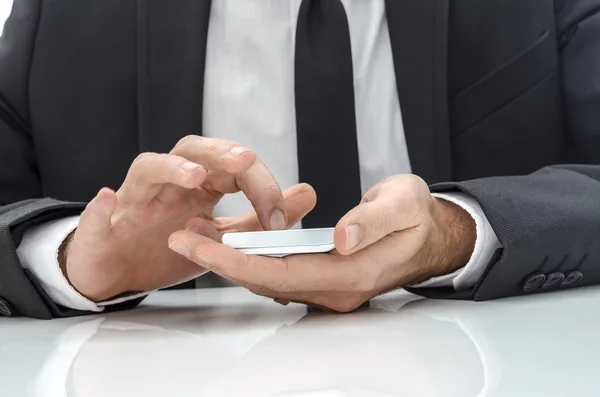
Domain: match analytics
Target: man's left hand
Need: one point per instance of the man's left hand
(398, 235)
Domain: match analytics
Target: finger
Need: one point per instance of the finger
(260, 187)
(233, 168)
(347, 292)
(387, 208)
(299, 200)
(341, 283)
(95, 221)
(204, 228)
(215, 154)
(151, 171)
(296, 273)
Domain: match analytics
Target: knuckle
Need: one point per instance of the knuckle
(375, 219)
(392, 181)
(213, 146)
(381, 224)
(143, 169)
(403, 191)
(219, 146)
(419, 188)
(215, 149)
(228, 143)
(143, 158)
(405, 201)
(270, 185)
(417, 181)
(186, 139)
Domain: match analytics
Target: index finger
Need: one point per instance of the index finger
(215, 154)
(234, 168)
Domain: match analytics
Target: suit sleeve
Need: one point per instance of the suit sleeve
(548, 222)
(22, 204)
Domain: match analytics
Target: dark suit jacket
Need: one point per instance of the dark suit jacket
(494, 93)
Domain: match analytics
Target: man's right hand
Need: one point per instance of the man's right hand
(121, 244)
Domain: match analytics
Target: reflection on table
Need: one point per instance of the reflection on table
(227, 342)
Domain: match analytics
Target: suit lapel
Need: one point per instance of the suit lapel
(418, 32)
(171, 55)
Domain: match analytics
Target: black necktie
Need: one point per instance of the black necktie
(325, 113)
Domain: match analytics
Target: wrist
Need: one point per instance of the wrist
(63, 254)
(80, 279)
(452, 238)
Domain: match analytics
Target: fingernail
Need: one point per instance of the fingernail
(277, 221)
(353, 236)
(179, 247)
(237, 150)
(189, 166)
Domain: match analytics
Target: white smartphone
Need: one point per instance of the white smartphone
(280, 243)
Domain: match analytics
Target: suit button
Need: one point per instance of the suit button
(5, 308)
(553, 280)
(534, 282)
(572, 279)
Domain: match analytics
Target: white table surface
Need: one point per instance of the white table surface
(228, 342)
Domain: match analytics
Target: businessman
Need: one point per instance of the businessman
(455, 145)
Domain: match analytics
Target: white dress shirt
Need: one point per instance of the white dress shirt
(5, 8)
(249, 98)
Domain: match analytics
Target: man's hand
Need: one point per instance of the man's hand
(121, 242)
(398, 235)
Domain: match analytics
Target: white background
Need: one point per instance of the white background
(5, 6)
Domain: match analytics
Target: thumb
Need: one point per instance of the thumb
(299, 200)
(384, 210)
(95, 222)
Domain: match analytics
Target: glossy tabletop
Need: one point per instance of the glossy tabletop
(228, 342)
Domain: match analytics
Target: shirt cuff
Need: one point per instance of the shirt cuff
(486, 244)
(38, 252)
